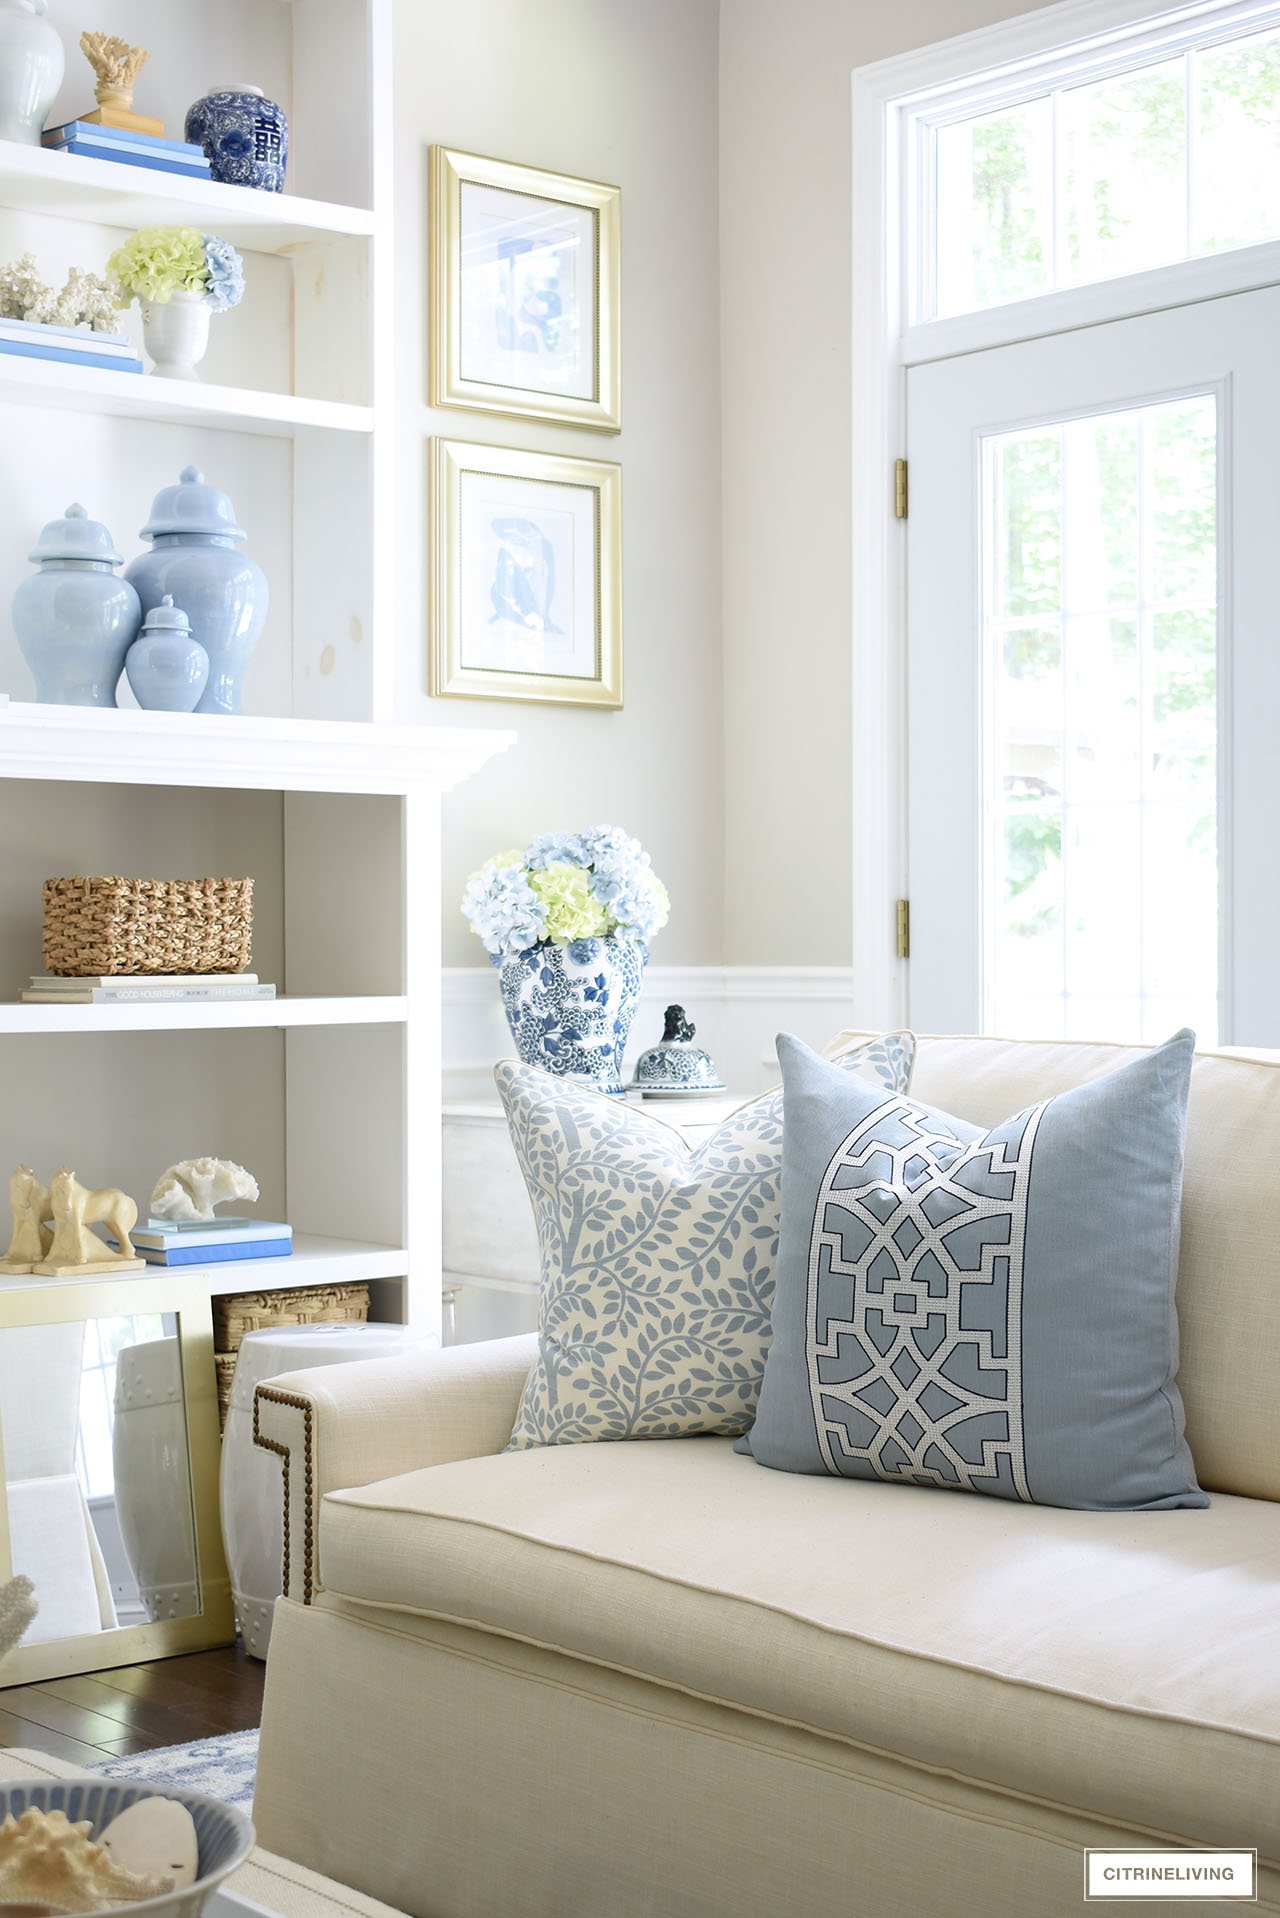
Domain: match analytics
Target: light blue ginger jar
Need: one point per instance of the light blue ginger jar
(193, 559)
(245, 137)
(570, 1007)
(75, 618)
(166, 667)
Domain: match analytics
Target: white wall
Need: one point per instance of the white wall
(622, 92)
(786, 271)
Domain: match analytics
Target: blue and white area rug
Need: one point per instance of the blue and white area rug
(222, 1767)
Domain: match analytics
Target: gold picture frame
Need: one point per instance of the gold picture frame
(526, 588)
(525, 292)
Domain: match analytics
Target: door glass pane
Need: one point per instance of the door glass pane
(1100, 759)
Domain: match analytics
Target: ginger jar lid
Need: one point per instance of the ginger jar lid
(192, 507)
(166, 618)
(75, 536)
(676, 1068)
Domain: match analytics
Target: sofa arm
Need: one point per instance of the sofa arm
(344, 1425)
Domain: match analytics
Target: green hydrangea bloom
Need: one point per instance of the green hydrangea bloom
(573, 910)
(158, 262)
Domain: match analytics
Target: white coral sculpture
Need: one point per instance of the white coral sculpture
(49, 1864)
(86, 299)
(17, 1609)
(187, 1192)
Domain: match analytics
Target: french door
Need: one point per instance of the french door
(1093, 680)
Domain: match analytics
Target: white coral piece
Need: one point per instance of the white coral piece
(17, 1609)
(187, 1192)
(49, 1863)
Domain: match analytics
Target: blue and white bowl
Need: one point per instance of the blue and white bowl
(244, 135)
(224, 1835)
(676, 1069)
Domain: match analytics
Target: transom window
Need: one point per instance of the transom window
(1123, 158)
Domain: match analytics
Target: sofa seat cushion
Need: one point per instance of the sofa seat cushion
(1122, 1663)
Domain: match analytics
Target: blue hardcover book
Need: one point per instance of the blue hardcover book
(112, 362)
(117, 137)
(155, 162)
(77, 336)
(217, 1254)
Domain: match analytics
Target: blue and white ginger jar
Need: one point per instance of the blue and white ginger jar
(570, 1007)
(244, 135)
(223, 592)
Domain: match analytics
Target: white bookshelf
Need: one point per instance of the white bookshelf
(329, 1093)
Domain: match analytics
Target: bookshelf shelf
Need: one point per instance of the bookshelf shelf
(207, 1016)
(315, 1260)
(70, 186)
(143, 396)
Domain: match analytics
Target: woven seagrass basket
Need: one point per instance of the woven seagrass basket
(239, 1312)
(113, 925)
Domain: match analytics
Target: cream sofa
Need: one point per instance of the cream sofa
(653, 1678)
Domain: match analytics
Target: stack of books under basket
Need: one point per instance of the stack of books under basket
(236, 1313)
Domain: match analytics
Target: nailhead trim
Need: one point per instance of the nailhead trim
(284, 1453)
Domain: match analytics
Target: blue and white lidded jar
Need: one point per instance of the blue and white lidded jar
(245, 137)
(166, 666)
(75, 618)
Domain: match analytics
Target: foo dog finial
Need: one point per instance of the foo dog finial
(676, 1027)
(117, 66)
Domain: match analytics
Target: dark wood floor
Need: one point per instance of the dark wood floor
(108, 1714)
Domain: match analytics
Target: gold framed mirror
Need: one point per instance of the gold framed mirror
(109, 1461)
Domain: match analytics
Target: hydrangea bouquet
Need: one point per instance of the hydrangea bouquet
(181, 276)
(567, 922)
(563, 887)
(160, 261)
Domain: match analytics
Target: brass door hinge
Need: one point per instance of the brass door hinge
(899, 489)
(904, 928)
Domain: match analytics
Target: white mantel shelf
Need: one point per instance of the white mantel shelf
(262, 755)
(74, 187)
(315, 1260)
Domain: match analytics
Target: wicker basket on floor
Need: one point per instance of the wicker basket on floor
(113, 925)
(236, 1313)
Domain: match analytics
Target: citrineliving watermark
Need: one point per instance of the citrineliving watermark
(1172, 1872)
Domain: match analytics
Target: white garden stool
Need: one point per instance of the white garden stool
(252, 1491)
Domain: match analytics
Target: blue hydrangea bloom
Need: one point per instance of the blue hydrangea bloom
(225, 274)
(555, 848)
(503, 910)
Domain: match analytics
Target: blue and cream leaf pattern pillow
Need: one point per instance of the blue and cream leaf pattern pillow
(657, 1260)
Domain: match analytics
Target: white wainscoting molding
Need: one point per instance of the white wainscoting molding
(737, 1010)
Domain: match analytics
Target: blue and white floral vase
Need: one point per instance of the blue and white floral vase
(567, 922)
(244, 135)
(570, 1007)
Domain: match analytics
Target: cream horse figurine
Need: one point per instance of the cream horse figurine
(75, 1209)
(29, 1203)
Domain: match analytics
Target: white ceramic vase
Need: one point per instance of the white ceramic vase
(31, 67)
(176, 333)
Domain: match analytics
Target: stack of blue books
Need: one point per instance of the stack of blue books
(74, 345)
(131, 149)
(211, 1242)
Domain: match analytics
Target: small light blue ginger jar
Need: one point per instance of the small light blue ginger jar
(193, 559)
(167, 669)
(75, 619)
(570, 1007)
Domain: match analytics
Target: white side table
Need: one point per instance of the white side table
(252, 1500)
(490, 1240)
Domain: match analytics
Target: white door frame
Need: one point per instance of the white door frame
(886, 98)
